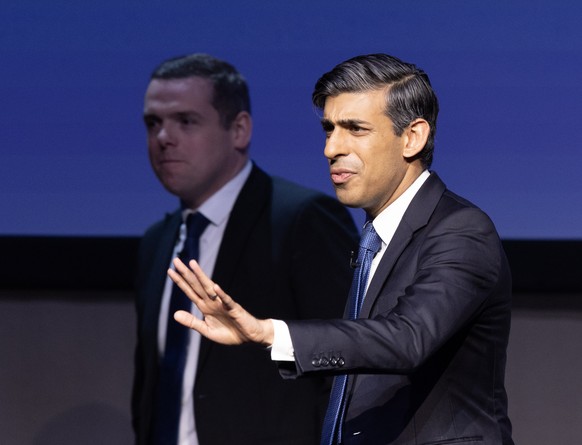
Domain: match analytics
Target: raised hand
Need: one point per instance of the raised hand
(224, 321)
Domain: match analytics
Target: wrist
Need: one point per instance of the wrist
(268, 332)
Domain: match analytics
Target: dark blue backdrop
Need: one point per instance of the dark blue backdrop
(72, 76)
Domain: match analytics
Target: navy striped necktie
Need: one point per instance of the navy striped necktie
(370, 244)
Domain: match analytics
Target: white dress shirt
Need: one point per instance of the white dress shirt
(217, 209)
(385, 225)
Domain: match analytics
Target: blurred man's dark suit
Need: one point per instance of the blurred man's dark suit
(285, 254)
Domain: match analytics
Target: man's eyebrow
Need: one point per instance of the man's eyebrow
(189, 113)
(344, 123)
(326, 123)
(174, 114)
(150, 117)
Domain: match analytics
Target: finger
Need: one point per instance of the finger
(189, 282)
(179, 280)
(186, 288)
(196, 284)
(207, 284)
(226, 300)
(190, 321)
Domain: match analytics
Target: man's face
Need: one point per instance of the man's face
(367, 164)
(191, 152)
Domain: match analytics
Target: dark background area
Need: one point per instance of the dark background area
(104, 263)
(67, 333)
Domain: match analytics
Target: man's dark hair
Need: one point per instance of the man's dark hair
(410, 95)
(231, 93)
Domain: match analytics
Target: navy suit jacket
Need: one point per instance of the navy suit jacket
(427, 357)
(285, 254)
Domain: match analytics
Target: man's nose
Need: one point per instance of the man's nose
(164, 136)
(334, 145)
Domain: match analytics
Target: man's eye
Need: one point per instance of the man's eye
(187, 121)
(328, 130)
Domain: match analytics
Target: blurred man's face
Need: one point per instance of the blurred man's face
(191, 152)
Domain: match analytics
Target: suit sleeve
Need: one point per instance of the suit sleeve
(456, 268)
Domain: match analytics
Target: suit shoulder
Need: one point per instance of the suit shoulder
(453, 201)
(285, 186)
(453, 207)
(296, 194)
(296, 206)
(457, 199)
(158, 227)
(297, 201)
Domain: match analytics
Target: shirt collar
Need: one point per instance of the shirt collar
(389, 219)
(218, 206)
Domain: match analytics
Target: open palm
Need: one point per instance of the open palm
(223, 320)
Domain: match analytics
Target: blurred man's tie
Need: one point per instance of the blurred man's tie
(169, 388)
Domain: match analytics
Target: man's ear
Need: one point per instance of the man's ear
(416, 136)
(242, 129)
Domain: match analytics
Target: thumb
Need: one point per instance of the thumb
(188, 320)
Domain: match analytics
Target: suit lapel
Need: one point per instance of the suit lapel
(248, 208)
(415, 217)
(166, 248)
(159, 257)
(167, 243)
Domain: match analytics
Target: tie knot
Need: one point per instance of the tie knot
(370, 239)
(195, 225)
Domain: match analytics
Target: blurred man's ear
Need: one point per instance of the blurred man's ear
(242, 130)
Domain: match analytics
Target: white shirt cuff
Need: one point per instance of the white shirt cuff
(282, 348)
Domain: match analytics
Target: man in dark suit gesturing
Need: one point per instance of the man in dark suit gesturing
(421, 359)
(281, 248)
